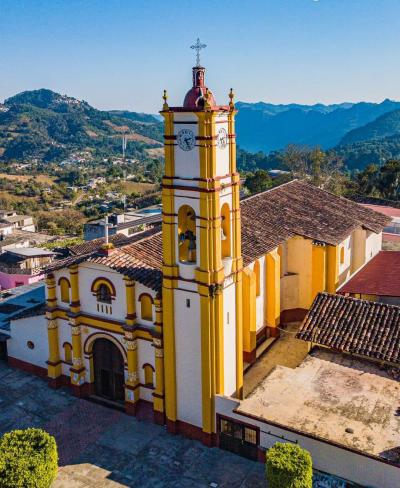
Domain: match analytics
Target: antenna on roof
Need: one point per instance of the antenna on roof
(124, 142)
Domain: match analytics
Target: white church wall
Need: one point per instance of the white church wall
(88, 273)
(33, 329)
(261, 299)
(222, 153)
(186, 163)
(327, 457)
(229, 300)
(188, 357)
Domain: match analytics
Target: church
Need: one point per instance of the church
(168, 321)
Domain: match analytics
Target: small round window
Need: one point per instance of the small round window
(30, 345)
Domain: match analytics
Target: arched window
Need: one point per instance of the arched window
(256, 270)
(225, 231)
(103, 293)
(146, 307)
(67, 352)
(187, 234)
(64, 285)
(148, 374)
(342, 255)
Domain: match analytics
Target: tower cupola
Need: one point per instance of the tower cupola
(196, 97)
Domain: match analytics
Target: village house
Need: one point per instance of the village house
(23, 266)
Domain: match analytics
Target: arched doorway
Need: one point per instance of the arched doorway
(108, 365)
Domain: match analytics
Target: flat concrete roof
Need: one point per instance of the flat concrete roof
(328, 394)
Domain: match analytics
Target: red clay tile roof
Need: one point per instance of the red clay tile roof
(383, 209)
(95, 244)
(139, 257)
(297, 208)
(380, 276)
(354, 326)
(268, 219)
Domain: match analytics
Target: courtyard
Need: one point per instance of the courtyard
(104, 448)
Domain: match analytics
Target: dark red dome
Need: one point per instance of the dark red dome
(196, 97)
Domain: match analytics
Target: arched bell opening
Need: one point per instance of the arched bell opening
(187, 234)
(226, 248)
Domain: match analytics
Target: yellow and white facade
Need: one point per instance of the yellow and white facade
(173, 345)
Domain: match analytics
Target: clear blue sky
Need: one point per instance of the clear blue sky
(122, 53)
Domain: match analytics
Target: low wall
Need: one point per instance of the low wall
(327, 456)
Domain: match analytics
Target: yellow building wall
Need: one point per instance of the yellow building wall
(299, 261)
(249, 310)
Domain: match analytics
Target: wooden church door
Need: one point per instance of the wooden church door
(108, 370)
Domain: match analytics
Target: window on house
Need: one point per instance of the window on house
(146, 307)
(64, 290)
(188, 302)
(148, 374)
(104, 294)
(342, 255)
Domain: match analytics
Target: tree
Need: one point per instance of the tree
(322, 169)
(389, 181)
(288, 466)
(28, 459)
(258, 181)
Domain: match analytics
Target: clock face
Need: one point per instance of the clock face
(186, 139)
(222, 138)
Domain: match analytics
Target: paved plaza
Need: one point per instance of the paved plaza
(104, 448)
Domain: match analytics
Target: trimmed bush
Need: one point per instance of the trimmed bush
(28, 459)
(288, 466)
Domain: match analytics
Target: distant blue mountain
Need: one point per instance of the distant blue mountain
(267, 127)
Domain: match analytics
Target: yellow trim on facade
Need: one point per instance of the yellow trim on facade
(249, 310)
(273, 295)
(318, 269)
(332, 281)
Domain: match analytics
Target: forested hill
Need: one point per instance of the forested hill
(267, 127)
(384, 126)
(48, 126)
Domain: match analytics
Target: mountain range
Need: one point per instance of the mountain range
(266, 127)
(48, 126)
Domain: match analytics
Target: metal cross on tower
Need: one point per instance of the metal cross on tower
(198, 46)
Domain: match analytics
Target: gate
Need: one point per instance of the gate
(238, 438)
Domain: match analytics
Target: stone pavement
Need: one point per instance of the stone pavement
(104, 448)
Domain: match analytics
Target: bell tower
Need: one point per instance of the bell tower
(202, 264)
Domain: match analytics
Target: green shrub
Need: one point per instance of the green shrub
(288, 466)
(28, 459)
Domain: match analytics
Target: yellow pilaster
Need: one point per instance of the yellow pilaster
(78, 368)
(318, 269)
(158, 395)
(332, 280)
(74, 281)
(130, 318)
(239, 335)
(249, 313)
(132, 382)
(207, 379)
(273, 281)
(54, 363)
(54, 370)
(169, 349)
